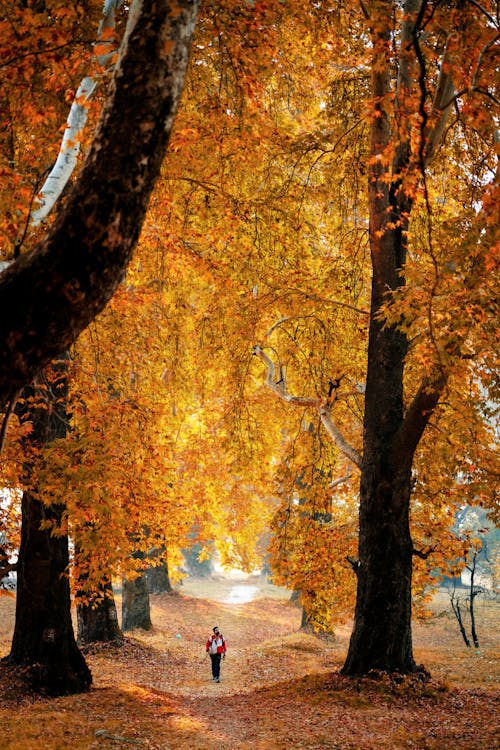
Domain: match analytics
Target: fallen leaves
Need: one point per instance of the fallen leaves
(280, 689)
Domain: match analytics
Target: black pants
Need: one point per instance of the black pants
(215, 664)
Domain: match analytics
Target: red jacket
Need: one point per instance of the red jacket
(216, 644)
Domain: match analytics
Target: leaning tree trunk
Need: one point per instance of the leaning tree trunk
(98, 620)
(76, 268)
(43, 637)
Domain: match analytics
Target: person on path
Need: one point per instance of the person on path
(216, 648)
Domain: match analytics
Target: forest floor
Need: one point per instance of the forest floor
(280, 687)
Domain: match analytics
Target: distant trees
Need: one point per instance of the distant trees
(477, 567)
(97, 618)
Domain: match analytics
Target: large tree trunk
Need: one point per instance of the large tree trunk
(381, 637)
(43, 635)
(98, 620)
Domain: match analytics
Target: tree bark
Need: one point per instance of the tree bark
(98, 621)
(43, 634)
(381, 637)
(158, 579)
(50, 294)
(135, 602)
(473, 592)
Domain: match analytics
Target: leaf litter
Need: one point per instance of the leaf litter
(280, 688)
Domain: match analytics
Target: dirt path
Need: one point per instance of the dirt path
(264, 643)
(280, 688)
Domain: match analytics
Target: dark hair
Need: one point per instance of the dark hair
(215, 628)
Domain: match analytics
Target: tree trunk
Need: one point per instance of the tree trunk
(158, 579)
(43, 634)
(135, 604)
(98, 622)
(304, 621)
(455, 605)
(473, 593)
(381, 638)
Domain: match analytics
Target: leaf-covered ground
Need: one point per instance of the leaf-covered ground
(280, 687)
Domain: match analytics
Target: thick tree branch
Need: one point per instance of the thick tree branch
(6, 419)
(337, 437)
(323, 409)
(418, 415)
(6, 568)
(446, 97)
(279, 387)
(442, 107)
(50, 294)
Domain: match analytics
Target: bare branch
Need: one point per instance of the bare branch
(490, 18)
(276, 325)
(324, 410)
(421, 554)
(340, 480)
(279, 387)
(337, 437)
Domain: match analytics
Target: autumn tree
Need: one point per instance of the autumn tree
(353, 235)
(164, 36)
(40, 548)
(408, 122)
(425, 101)
(43, 638)
(271, 236)
(123, 163)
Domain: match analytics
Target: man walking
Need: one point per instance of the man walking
(216, 648)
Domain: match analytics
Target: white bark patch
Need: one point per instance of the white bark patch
(68, 153)
(106, 54)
